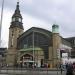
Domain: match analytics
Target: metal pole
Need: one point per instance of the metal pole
(57, 60)
(33, 50)
(1, 20)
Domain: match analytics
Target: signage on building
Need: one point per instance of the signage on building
(64, 55)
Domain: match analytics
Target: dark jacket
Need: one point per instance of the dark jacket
(69, 70)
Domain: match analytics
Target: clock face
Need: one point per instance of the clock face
(19, 19)
(13, 19)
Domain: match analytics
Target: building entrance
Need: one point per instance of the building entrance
(26, 61)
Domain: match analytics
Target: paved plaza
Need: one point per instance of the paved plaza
(31, 72)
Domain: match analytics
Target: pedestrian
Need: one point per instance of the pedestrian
(66, 65)
(69, 69)
(61, 68)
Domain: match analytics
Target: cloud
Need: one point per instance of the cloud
(42, 13)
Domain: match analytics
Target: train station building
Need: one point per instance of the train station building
(36, 46)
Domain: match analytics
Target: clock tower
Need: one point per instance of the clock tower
(15, 30)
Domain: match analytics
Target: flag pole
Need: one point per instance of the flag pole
(1, 20)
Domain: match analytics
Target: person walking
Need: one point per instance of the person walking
(61, 68)
(69, 70)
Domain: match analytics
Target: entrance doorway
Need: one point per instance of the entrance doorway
(26, 61)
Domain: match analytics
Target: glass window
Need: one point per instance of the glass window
(19, 19)
(13, 19)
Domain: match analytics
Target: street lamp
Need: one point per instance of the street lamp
(1, 19)
(33, 49)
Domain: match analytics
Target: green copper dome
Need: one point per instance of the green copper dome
(55, 29)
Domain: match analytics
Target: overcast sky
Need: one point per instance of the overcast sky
(41, 13)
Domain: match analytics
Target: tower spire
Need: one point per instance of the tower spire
(17, 17)
(17, 11)
(17, 7)
(17, 2)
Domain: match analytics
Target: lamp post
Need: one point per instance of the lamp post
(1, 19)
(33, 49)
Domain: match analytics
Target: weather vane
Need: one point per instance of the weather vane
(17, 0)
